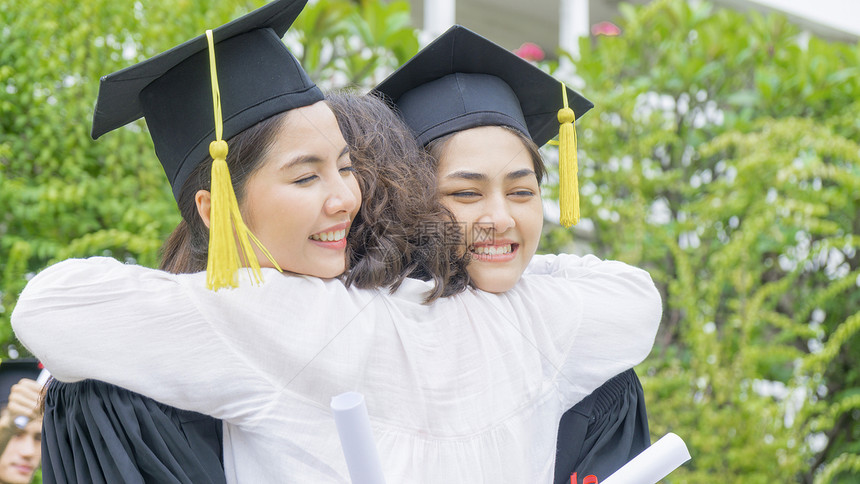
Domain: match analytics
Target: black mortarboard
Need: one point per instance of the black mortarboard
(258, 78)
(462, 80)
(12, 371)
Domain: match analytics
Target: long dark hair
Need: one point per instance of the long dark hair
(402, 229)
(187, 248)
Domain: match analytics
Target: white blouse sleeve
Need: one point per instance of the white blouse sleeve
(153, 333)
(604, 318)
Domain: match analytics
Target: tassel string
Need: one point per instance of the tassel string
(227, 231)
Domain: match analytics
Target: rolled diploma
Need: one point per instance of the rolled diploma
(43, 377)
(356, 438)
(653, 463)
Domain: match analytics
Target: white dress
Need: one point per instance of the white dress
(469, 389)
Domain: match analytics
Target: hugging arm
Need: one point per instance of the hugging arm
(133, 327)
(618, 309)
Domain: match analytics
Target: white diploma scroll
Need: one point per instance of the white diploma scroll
(356, 438)
(43, 377)
(653, 463)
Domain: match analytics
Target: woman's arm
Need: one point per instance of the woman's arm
(134, 327)
(603, 315)
(229, 354)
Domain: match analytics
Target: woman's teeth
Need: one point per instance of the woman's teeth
(492, 249)
(329, 236)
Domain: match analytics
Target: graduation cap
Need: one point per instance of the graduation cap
(215, 85)
(257, 75)
(462, 80)
(12, 371)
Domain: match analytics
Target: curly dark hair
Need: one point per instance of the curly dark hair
(402, 229)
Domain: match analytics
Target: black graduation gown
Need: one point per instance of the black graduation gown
(98, 433)
(603, 431)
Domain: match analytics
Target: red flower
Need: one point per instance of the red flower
(530, 52)
(608, 29)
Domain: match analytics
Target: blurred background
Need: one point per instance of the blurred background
(723, 155)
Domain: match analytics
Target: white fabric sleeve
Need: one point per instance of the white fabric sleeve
(139, 329)
(552, 264)
(605, 318)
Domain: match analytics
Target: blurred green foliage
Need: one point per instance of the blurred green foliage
(353, 43)
(723, 156)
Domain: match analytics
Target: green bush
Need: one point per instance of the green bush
(723, 157)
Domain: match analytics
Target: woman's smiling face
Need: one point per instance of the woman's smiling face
(487, 179)
(301, 201)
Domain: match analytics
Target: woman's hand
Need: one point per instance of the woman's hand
(23, 402)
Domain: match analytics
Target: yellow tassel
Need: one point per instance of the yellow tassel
(225, 221)
(568, 197)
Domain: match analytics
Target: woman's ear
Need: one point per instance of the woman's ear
(203, 199)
